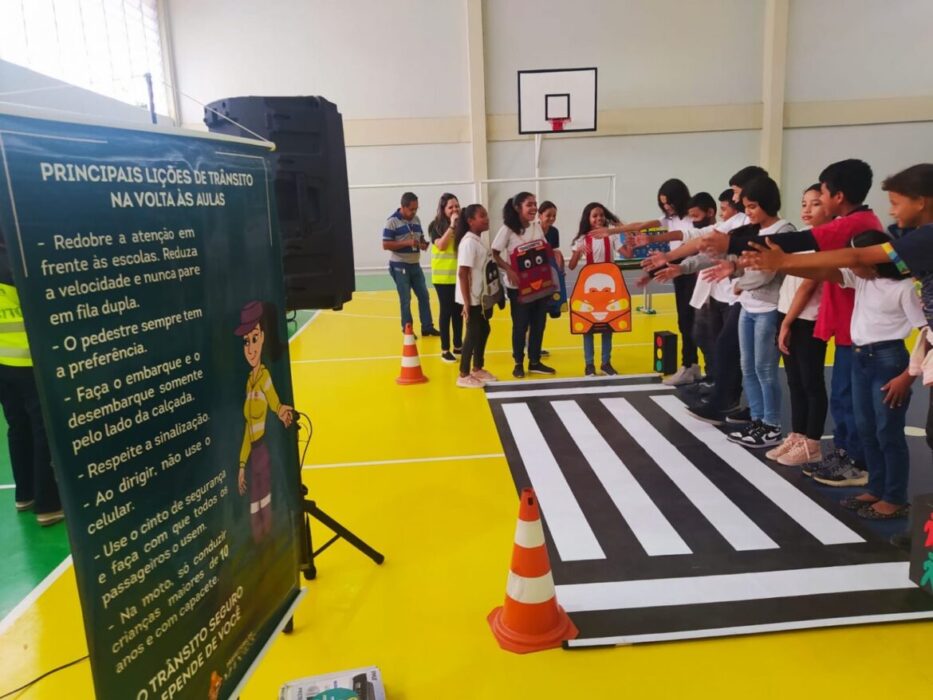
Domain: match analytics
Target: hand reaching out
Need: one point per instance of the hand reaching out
(718, 272)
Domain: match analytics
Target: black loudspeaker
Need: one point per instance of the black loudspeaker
(665, 352)
(311, 193)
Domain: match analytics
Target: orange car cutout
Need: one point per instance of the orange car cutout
(600, 301)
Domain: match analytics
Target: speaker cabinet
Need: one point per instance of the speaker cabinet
(311, 194)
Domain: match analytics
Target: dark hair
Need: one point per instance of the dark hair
(866, 239)
(440, 223)
(916, 181)
(545, 205)
(702, 200)
(408, 198)
(463, 222)
(677, 196)
(746, 175)
(510, 215)
(852, 177)
(726, 195)
(815, 187)
(585, 218)
(765, 192)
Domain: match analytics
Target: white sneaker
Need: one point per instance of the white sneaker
(484, 376)
(685, 375)
(470, 382)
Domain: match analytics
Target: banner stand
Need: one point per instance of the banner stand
(284, 622)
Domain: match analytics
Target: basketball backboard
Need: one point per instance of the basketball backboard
(562, 99)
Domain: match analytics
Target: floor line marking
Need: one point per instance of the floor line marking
(410, 460)
(607, 389)
(738, 529)
(727, 588)
(305, 325)
(11, 617)
(437, 354)
(572, 535)
(564, 380)
(654, 532)
(808, 513)
(4, 487)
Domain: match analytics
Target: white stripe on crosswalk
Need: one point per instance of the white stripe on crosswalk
(609, 389)
(726, 588)
(808, 514)
(653, 531)
(572, 535)
(738, 529)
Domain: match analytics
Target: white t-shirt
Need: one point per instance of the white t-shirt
(472, 253)
(885, 309)
(507, 240)
(722, 290)
(789, 288)
(676, 223)
(749, 301)
(598, 246)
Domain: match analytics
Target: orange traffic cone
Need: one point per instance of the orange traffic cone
(531, 619)
(411, 365)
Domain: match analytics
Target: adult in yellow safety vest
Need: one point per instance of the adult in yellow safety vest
(35, 487)
(444, 274)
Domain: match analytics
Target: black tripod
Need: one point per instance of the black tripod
(311, 510)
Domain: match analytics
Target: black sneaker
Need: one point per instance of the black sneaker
(540, 368)
(739, 416)
(447, 356)
(608, 369)
(589, 371)
(739, 434)
(518, 372)
(458, 351)
(545, 353)
(706, 413)
(763, 436)
(430, 331)
(827, 465)
(846, 473)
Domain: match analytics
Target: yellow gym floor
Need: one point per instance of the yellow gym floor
(418, 472)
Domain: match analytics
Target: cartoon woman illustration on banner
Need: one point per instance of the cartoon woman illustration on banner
(259, 329)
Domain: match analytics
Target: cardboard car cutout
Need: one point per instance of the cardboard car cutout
(537, 278)
(600, 301)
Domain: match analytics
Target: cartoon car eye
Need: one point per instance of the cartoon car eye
(582, 306)
(539, 259)
(526, 263)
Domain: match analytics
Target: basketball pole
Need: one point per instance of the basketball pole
(538, 139)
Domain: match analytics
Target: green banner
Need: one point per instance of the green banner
(150, 274)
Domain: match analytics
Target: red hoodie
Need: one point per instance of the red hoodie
(835, 314)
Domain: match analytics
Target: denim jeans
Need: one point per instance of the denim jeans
(589, 347)
(409, 277)
(759, 358)
(845, 432)
(881, 426)
(527, 318)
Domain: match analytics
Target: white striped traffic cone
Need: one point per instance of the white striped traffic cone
(411, 364)
(531, 619)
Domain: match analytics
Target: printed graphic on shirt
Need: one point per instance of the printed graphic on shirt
(600, 301)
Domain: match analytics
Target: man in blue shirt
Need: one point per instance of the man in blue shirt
(404, 239)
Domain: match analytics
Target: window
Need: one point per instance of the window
(103, 45)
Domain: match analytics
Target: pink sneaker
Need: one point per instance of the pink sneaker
(470, 382)
(484, 376)
(782, 449)
(803, 452)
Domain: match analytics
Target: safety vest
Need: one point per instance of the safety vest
(444, 264)
(14, 347)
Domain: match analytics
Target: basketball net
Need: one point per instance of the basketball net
(558, 124)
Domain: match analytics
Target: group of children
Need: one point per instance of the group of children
(763, 292)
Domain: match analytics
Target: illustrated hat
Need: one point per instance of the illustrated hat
(250, 315)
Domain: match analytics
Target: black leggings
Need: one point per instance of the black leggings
(474, 345)
(683, 291)
(707, 325)
(450, 315)
(728, 372)
(806, 379)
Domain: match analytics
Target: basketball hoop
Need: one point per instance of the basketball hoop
(558, 124)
